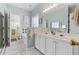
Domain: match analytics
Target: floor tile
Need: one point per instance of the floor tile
(18, 48)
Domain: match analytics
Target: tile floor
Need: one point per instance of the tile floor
(18, 48)
(0, 50)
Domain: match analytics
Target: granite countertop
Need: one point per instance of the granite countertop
(72, 39)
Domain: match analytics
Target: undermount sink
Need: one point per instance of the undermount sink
(53, 33)
(61, 35)
(46, 33)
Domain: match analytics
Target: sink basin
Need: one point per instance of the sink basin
(46, 33)
(53, 33)
(61, 35)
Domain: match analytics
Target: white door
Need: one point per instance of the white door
(50, 46)
(25, 24)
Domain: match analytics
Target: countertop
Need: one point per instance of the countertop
(61, 36)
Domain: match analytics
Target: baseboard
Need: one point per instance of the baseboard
(3, 50)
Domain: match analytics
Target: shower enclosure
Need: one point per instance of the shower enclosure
(4, 40)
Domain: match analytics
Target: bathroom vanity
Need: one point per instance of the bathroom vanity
(62, 43)
(57, 44)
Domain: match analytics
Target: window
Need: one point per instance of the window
(35, 21)
(63, 26)
(55, 24)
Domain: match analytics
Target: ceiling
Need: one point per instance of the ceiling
(26, 6)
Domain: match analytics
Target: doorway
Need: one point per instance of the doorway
(19, 28)
(15, 28)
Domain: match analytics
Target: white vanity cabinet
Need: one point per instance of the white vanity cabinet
(75, 50)
(50, 46)
(40, 43)
(63, 48)
(54, 46)
(37, 42)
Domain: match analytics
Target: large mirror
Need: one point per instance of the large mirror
(57, 19)
(64, 18)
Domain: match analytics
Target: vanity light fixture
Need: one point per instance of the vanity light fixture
(50, 7)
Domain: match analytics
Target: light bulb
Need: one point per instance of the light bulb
(50, 7)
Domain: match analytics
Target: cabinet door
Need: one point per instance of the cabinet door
(42, 44)
(76, 50)
(37, 42)
(63, 48)
(50, 46)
